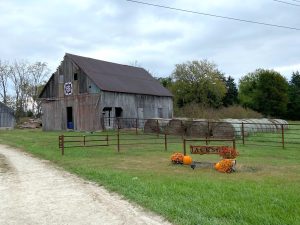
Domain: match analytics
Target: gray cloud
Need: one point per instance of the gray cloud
(123, 32)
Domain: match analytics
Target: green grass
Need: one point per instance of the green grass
(264, 190)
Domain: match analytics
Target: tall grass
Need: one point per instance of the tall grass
(200, 111)
(264, 190)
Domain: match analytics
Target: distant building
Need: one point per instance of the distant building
(87, 94)
(7, 117)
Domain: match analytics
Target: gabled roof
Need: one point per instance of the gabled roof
(119, 78)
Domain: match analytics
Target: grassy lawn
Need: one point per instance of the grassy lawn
(264, 190)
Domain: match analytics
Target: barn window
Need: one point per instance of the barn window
(118, 112)
(75, 76)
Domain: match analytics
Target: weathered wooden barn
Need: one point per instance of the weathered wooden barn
(7, 117)
(86, 94)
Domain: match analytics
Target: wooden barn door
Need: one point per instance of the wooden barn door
(70, 122)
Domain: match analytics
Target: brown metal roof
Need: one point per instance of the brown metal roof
(119, 78)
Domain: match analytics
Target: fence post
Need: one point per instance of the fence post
(184, 146)
(118, 139)
(107, 139)
(157, 128)
(136, 126)
(233, 144)
(243, 133)
(206, 142)
(282, 135)
(208, 128)
(62, 144)
(166, 142)
(83, 140)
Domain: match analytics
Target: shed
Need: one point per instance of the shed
(89, 94)
(7, 117)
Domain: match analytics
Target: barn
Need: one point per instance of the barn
(7, 118)
(87, 94)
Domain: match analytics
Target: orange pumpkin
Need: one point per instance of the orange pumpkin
(218, 166)
(177, 158)
(187, 160)
(225, 166)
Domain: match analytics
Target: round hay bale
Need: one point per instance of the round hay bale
(223, 130)
(155, 125)
(197, 128)
(175, 127)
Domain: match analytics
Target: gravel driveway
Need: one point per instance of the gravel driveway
(34, 191)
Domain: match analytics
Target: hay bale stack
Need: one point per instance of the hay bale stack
(150, 126)
(197, 128)
(176, 127)
(156, 125)
(223, 130)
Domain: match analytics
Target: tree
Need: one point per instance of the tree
(231, 96)
(38, 71)
(294, 97)
(198, 82)
(264, 91)
(165, 81)
(20, 79)
(5, 71)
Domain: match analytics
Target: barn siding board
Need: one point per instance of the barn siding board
(130, 104)
(7, 118)
(86, 114)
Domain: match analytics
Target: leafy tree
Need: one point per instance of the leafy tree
(20, 79)
(198, 82)
(231, 96)
(38, 72)
(264, 91)
(165, 81)
(294, 97)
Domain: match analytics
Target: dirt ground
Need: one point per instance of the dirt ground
(34, 191)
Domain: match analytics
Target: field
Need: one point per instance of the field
(264, 190)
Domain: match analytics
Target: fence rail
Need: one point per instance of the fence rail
(134, 131)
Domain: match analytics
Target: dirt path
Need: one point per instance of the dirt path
(34, 191)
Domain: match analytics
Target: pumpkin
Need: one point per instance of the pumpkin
(177, 158)
(225, 166)
(218, 166)
(187, 160)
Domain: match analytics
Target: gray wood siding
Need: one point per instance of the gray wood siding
(86, 114)
(7, 118)
(131, 102)
(67, 69)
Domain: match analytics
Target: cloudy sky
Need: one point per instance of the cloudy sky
(124, 32)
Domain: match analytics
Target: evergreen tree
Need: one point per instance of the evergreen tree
(294, 97)
(231, 96)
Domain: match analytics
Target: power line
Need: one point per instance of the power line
(214, 15)
(287, 3)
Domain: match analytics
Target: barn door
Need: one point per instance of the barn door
(70, 123)
(108, 118)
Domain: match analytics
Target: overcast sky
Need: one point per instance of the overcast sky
(124, 32)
